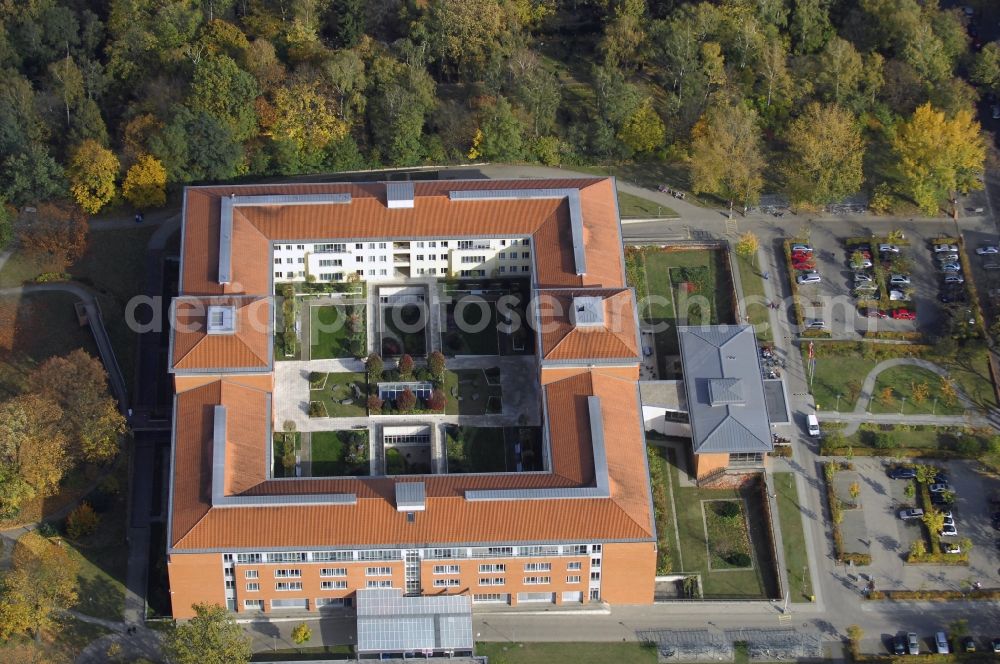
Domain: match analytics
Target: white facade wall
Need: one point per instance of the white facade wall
(388, 260)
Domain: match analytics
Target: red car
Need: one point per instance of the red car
(871, 312)
(903, 314)
(804, 267)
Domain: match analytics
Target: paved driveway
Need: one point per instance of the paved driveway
(972, 519)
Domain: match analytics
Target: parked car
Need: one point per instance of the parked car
(988, 250)
(897, 296)
(995, 643)
(940, 478)
(949, 521)
(801, 255)
(948, 531)
(899, 644)
(945, 248)
(863, 278)
(899, 280)
(941, 499)
(911, 513)
(802, 247)
(939, 487)
(808, 278)
(861, 263)
(872, 312)
(946, 258)
(903, 314)
(941, 643)
(903, 473)
(888, 249)
(969, 644)
(912, 643)
(867, 287)
(951, 267)
(954, 279)
(805, 266)
(815, 324)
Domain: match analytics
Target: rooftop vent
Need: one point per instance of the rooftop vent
(587, 311)
(221, 319)
(410, 497)
(399, 194)
(726, 392)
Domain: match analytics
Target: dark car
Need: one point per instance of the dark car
(942, 498)
(995, 643)
(940, 478)
(903, 473)
(899, 644)
(969, 644)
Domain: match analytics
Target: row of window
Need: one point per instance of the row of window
(526, 551)
(500, 568)
(314, 556)
(341, 247)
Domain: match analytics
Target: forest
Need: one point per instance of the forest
(105, 101)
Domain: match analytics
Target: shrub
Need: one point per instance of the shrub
(82, 521)
(738, 559)
(435, 364)
(317, 409)
(405, 367)
(438, 400)
(406, 401)
(374, 367)
(374, 404)
(727, 509)
(884, 440)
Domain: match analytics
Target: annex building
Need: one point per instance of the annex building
(580, 528)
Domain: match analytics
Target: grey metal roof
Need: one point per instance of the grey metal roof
(410, 496)
(724, 389)
(389, 622)
(572, 197)
(399, 194)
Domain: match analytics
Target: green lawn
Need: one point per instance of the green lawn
(758, 582)
(971, 371)
(466, 342)
(470, 393)
(840, 374)
(476, 450)
(567, 653)
(63, 644)
(793, 537)
(630, 205)
(903, 380)
(330, 453)
(753, 295)
(331, 333)
(337, 389)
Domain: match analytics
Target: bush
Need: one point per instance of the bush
(739, 559)
(374, 405)
(727, 509)
(438, 400)
(82, 521)
(406, 367)
(317, 409)
(884, 440)
(406, 401)
(436, 365)
(374, 367)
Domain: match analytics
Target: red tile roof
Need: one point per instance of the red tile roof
(614, 338)
(247, 348)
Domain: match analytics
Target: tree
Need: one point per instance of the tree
(919, 391)
(406, 401)
(308, 120)
(92, 172)
(747, 246)
(346, 22)
(301, 634)
(41, 582)
(56, 229)
(949, 393)
(502, 133)
(888, 395)
(82, 521)
(934, 520)
(210, 637)
(938, 155)
(6, 225)
(726, 156)
(374, 404)
(223, 90)
(195, 145)
(78, 383)
(918, 549)
(644, 130)
(855, 633)
(854, 490)
(810, 25)
(436, 365)
(33, 455)
(145, 183)
(31, 176)
(438, 400)
(825, 155)
(400, 98)
(405, 367)
(374, 367)
(462, 34)
(985, 69)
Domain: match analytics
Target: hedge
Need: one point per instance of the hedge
(934, 595)
(954, 559)
(921, 452)
(895, 336)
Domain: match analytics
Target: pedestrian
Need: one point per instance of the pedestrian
(766, 275)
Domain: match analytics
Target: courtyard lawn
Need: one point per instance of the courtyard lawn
(331, 453)
(753, 296)
(337, 389)
(476, 450)
(469, 392)
(757, 583)
(505, 652)
(331, 334)
(630, 205)
(904, 381)
(395, 341)
(793, 537)
(727, 533)
(459, 341)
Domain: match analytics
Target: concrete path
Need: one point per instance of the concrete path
(144, 642)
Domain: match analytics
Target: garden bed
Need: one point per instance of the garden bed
(339, 453)
(342, 395)
(727, 534)
(337, 331)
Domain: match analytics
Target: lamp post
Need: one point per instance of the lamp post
(902, 405)
(934, 411)
(838, 403)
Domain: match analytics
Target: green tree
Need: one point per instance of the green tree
(855, 633)
(31, 176)
(726, 157)
(810, 25)
(463, 34)
(825, 155)
(210, 637)
(502, 133)
(985, 69)
(934, 520)
(226, 92)
(33, 451)
(374, 366)
(92, 172)
(145, 183)
(6, 224)
(307, 119)
(839, 70)
(41, 582)
(401, 96)
(938, 155)
(345, 22)
(196, 146)
(643, 131)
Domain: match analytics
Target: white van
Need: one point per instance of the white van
(812, 425)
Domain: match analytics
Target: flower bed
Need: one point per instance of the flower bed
(728, 535)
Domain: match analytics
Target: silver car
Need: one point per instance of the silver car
(951, 267)
(862, 278)
(947, 258)
(808, 278)
(945, 248)
(899, 280)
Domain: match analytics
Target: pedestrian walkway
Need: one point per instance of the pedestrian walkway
(134, 639)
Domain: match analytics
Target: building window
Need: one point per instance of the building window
(420, 245)
(359, 259)
(378, 571)
(227, 557)
(253, 587)
(277, 261)
(465, 244)
(371, 245)
(331, 262)
(433, 270)
(491, 598)
(288, 260)
(525, 254)
(382, 273)
(538, 567)
(573, 579)
(249, 558)
(288, 247)
(360, 273)
(503, 268)
(524, 241)
(444, 243)
(493, 552)
(300, 247)
(228, 571)
(302, 260)
(381, 245)
(574, 566)
(253, 604)
(327, 556)
(595, 576)
(371, 273)
(381, 259)
(287, 573)
(492, 581)
(333, 585)
(596, 548)
(537, 580)
(329, 601)
(445, 553)
(333, 571)
(595, 562)
(379, 584)
(371, 259)
(525, 268)
(446, 583)
(446, 569)
(284, 586)
(420, 257)
(444, 257)
(230, 584)
(359, 246)
(250, 574)
(473, 259)
(432, 244)
(497, 568)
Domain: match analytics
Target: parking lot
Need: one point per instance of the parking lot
(889, 537)
(833, 302)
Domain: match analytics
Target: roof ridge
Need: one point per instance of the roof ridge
(728, 419)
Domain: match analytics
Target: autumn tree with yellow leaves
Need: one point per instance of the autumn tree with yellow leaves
(145, 183)
(92, 172)
(40, 583)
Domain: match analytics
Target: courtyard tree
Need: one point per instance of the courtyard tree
(406, 401)
(726, 154)
(33, 455)
(825, 153)
(938, 156)
(210, 637)
(436, 365)
(41, 582)
(374, 405)
(438, 400)
(374, 366)
(92, 172)
(82, 521)
(405, 367)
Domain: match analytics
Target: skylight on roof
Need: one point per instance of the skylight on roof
(587, 311)
(221, 319)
